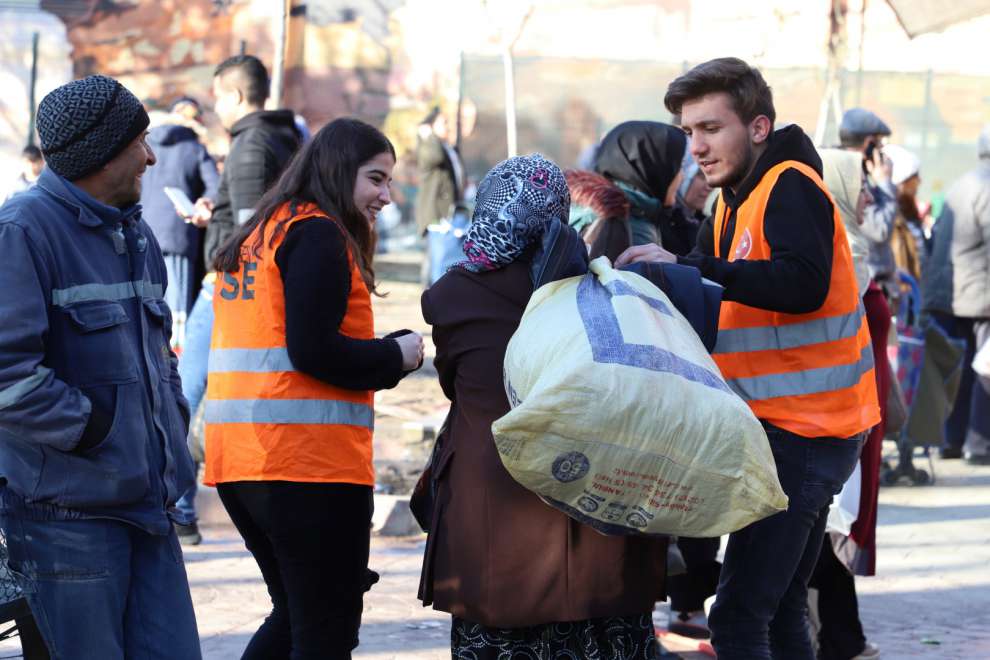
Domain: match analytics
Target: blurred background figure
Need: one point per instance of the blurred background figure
(863, 132)
(694, 192)
(840, 632)
(908, 238)
(643, 158)
(441, 182)
(32, 162)
(262, 142)
(956, 290)
(183, 164)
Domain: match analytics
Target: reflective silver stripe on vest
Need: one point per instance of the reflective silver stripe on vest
(18, 390)
(810, 381)
(254, 360)
(100, 291)
(806, 333)
(289, 411)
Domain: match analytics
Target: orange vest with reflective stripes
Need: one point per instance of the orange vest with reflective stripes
(811, 374)
(265, 421)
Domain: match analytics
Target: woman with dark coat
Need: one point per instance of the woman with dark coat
(643, 158)
(520, 578)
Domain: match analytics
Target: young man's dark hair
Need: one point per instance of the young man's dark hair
(32, 153)
(751, 96)
(252, 77)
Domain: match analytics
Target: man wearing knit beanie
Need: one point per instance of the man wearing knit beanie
(92, 418)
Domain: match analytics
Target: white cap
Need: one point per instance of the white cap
(906, 163)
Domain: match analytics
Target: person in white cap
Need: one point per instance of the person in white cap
(908, 241)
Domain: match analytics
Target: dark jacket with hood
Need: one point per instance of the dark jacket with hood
(643, 158)
(798, 225)
(185, 164)
(92, 418)
(261, 145)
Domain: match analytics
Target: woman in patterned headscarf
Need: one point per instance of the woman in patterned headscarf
(520, 578)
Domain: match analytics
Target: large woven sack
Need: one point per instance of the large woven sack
(621, 419)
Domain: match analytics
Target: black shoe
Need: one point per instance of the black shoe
(950, 452)
(188, 534)
(686, 625)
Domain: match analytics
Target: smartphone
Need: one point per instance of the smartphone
(870, 150)
(180, 200)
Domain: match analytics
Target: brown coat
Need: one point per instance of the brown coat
(496, 554)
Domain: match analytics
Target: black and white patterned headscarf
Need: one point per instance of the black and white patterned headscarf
(516, 201)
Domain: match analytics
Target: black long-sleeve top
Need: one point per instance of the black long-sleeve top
(316, 277)
(798, 224)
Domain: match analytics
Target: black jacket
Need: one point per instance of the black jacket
(313, 263)
(798, 225)
(183, 163)
(261, 145)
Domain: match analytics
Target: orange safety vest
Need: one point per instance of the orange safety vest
(265, 421)
(810, 374)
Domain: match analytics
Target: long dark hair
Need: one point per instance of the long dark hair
(323, 173)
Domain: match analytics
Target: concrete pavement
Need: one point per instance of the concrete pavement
(931, 598)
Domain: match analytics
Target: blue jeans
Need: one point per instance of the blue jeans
(105, 589)
(761, 606)
(193, 368)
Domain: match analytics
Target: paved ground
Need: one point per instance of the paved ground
(931, 599)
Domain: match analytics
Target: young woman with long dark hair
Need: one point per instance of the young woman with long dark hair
(294, 363)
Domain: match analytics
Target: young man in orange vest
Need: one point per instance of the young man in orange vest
(793, 342)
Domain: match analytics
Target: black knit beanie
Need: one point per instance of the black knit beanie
(84, 124)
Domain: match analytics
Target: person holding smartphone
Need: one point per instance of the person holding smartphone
(863, 131)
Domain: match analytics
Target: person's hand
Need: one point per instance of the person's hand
(204, 212)
(411, 345)
(650, 252)
(879, 167)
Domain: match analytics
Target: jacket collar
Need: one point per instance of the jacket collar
(271, 118)
(90, 212)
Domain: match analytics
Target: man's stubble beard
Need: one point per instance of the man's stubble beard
(738, 175)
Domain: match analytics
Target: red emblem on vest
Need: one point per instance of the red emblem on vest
(745, 246)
